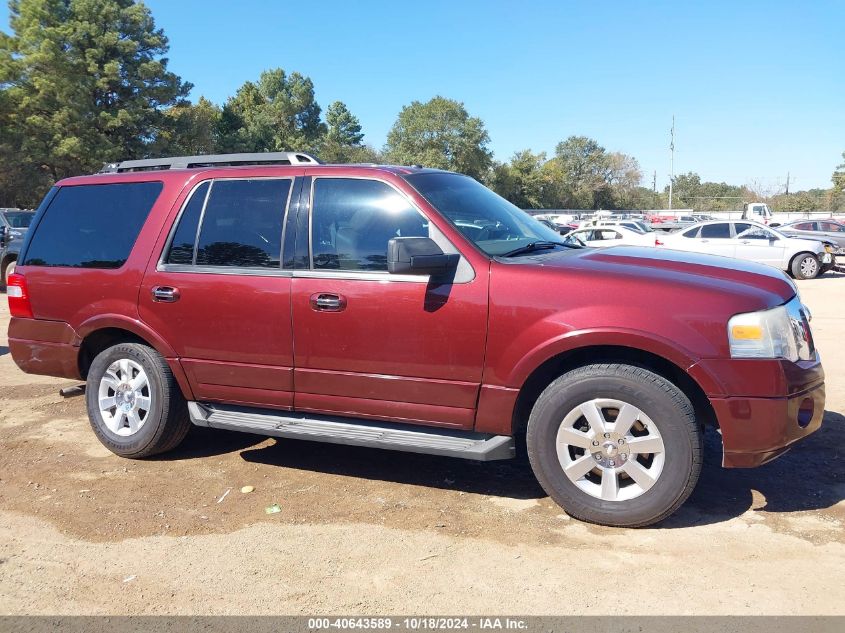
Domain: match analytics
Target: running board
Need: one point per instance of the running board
(355, 432)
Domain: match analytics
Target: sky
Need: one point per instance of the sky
(757, 88)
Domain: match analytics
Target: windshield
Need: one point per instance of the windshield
(495, 225)
(19, 219)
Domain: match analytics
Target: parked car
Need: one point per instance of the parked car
(13, 227)
(639, 226)
(803, 259)
(674, 223)
(611, 235)
(824, 230)
(410, 309)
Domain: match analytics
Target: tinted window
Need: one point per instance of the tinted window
(19, 219)
(242, 224)
(182, 246)
(92, 226)
(716, 231)
(804, 226)
(353, 220)
(691, 232)
(830, 227)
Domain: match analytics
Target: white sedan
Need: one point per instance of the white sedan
(803, 259)
(614, 235)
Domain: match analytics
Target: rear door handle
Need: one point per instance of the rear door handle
(327, 302)
(165, 294)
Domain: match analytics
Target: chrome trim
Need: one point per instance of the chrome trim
(225, 270)
(296, 274)
(199, 223)
(359, 276)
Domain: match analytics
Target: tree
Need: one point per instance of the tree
(276, 113)
(84, 82)
(440, 133)
(838, 178)
(343, 142)
(189, 129)
(521, 181)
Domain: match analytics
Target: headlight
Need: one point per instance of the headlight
(782, 332)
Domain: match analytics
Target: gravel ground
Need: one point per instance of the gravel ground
(372, 532)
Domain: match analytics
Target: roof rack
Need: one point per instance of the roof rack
(210, 160)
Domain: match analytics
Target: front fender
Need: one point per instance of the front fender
(581, 339)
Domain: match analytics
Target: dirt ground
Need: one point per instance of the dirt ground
(375, 532)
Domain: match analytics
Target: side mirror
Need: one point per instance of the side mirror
(418, 256)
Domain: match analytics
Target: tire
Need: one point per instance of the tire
(805, 266)
(661, 418)
(138, 378)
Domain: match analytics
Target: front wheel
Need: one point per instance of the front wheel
(615, 444)
(134, 403)
(805, 266)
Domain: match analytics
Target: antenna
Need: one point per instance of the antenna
(671, 160)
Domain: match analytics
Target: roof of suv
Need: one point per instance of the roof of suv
(184, 174)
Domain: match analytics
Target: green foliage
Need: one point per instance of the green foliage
(838, 177)
(343, 141)
(83, 82)
(276, 113)
(521, 181)
(690, 191)
(440, 133)
(189, 129)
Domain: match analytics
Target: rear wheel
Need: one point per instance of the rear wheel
(615, 444)
(805, 266)
(134, 403)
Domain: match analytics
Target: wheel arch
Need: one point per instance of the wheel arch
(557, 365)
(101, 333)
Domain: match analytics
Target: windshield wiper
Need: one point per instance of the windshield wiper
(532, 246)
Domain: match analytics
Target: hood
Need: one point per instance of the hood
(814, 245)
(758, 284)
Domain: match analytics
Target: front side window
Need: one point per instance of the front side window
(751, 232)
(693, 232)
(92, 226)
(716, 231)
(242, 223)
(495, 225)
(804, 226)
(353, 219)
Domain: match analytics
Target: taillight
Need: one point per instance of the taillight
(19, 305)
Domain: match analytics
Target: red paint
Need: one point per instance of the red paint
(450, 355)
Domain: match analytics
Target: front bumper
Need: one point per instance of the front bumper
(757, 430)
(762, 424)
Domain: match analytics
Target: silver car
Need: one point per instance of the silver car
(825, 230)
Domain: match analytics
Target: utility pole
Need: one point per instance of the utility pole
(787, 183)
(654, 182)
(671, 160)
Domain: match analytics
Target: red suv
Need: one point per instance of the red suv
(409, 309)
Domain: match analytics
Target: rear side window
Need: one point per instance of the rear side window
(182, 246)
(242, 223)
(92, 226)
(716, 231)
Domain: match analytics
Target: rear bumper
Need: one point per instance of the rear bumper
(763, 424)
(49, 348)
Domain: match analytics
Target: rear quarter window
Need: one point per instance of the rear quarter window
(92, 226)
